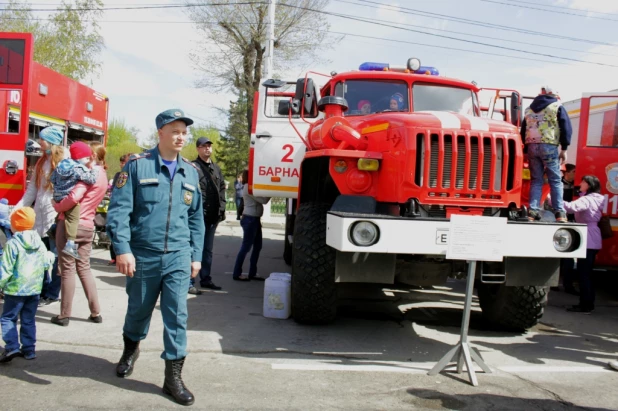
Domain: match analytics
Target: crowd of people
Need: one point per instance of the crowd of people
(166, 249)
(48, 239)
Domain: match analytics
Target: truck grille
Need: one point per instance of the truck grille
(464, 165)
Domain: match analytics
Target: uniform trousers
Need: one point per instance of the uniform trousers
(166, 275)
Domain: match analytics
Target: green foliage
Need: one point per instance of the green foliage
(233, 151)
(114, 152)
(69, 42)
(118, 132)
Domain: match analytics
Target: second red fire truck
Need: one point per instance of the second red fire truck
(33, 97)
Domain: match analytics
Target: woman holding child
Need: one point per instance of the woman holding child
(88, 197)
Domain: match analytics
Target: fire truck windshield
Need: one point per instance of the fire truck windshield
(373, 96)
(434, 97)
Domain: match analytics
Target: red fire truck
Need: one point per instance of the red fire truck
(33, 97)
(374, 163)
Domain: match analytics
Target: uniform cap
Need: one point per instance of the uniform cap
(22, 219)
(53, 135)
(80, 150)
(201, 141)
(172, 115)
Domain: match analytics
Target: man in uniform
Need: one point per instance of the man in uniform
(156, 225)
(212, 185)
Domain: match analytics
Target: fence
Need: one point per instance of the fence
(277, 205)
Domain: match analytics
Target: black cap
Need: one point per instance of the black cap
(169, 116)
(201, 141)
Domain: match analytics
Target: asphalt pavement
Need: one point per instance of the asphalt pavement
(374, 357)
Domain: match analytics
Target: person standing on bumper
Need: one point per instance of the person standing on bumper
(160, 248)
(546, 131)
(212, 184)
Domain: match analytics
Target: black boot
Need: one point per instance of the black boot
(129, 356)
(174, 385)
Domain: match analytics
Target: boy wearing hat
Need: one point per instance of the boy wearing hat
(22, 268)
(396, 102)
(68, 173)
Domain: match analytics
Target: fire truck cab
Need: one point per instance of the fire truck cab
(33, 97)
(375, 163)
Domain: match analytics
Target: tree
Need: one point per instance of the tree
(234, 37)
(121, 140)
(69, 43)
(233, 151)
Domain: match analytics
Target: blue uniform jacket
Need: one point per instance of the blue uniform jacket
(149, 211)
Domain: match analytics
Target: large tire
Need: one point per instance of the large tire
(314, 294)
(512, 308)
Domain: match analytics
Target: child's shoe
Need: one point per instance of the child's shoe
(30, 355)
(71, 249)
(8, 356)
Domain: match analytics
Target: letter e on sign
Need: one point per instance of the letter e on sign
(442, 236)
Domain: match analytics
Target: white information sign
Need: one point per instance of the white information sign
(476, 238)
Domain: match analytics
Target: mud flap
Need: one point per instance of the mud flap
(365, 268)
(538, 272)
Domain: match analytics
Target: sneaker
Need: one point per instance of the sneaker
(561, 217)
(195, 291)
(580, 309)
(533, 215)
(29, 355)
(97, 320)
(60, 321)
(613, 364)
(71, 249)
(210, 285)
(8, 356)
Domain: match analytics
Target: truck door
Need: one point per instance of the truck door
(597, 154)
(16, 54)
(277, 150)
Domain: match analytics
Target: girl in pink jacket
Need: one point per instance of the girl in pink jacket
(588, 209)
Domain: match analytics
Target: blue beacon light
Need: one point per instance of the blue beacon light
(372, 66)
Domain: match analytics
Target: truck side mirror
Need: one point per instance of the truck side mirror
(285, 105)
(515, 109)
(305, 95)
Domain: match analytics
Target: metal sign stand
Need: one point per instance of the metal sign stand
(462, 351)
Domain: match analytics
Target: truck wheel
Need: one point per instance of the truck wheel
(314, 294)
(512, 308)
(287, 247)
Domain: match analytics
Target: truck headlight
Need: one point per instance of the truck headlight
(364, 233)
(563, 240)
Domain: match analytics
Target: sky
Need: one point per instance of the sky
(146, 65)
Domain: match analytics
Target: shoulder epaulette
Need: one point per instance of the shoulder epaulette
(138, 156)
(186, 160)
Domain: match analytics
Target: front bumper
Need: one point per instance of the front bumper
(402, 235)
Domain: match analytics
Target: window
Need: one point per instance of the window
(373, 96)
(602, 123)
(12, 61)
(433, 97)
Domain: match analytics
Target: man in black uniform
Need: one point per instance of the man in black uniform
(212, 185)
